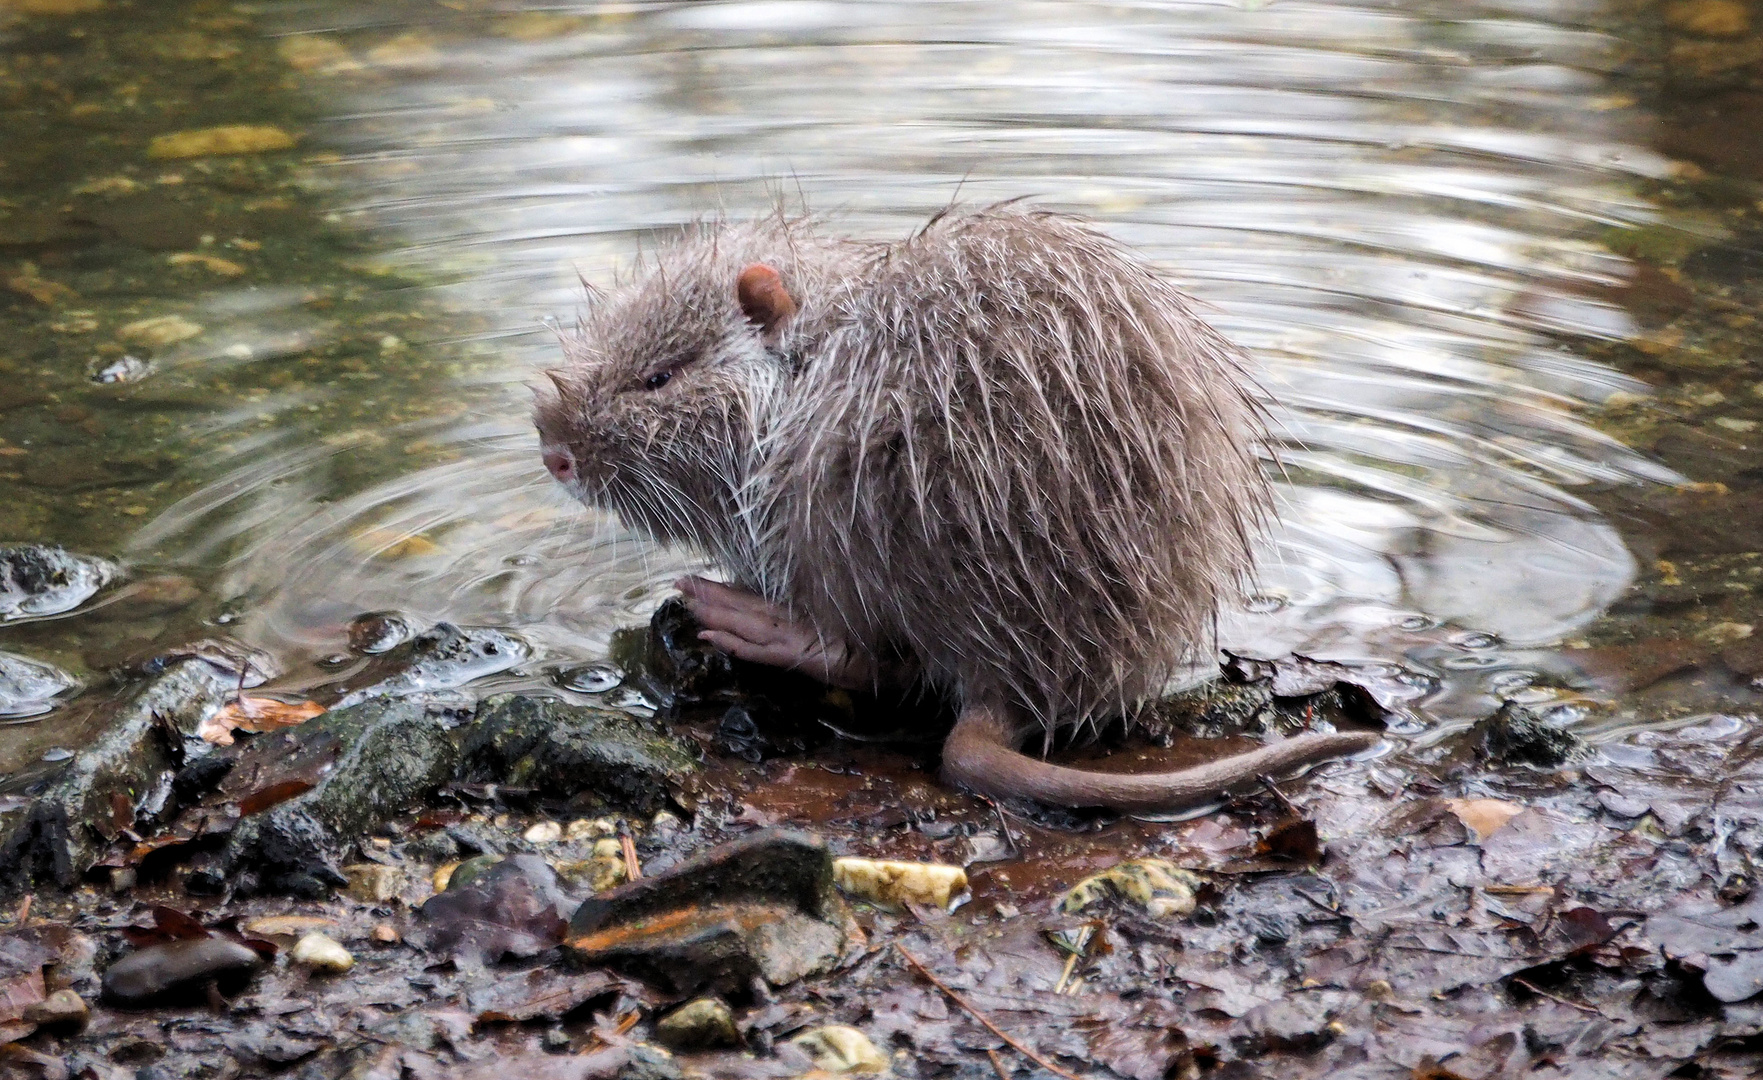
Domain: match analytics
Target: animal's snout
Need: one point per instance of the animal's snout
(560, 463)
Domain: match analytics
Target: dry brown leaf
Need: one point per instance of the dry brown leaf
(255, 714)
(1483, 817)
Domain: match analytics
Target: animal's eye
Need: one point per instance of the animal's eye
(657, 380)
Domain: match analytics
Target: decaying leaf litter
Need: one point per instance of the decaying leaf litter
(1525, 904)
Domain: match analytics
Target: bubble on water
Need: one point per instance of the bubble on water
(590, 678)
(629, 697)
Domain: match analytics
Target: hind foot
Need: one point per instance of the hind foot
(753, 628)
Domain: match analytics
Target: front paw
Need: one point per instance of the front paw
(752, 628)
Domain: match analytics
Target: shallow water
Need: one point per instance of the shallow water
(1443, 230)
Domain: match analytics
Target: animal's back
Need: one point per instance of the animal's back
(1017, 457)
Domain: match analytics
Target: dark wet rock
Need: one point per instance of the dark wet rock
(165, 969)
(379, 631)
(40, 580)
(382, 758)
(700, 1024)
(756, 711)
(444, 657)
(688, 667)
(563, 750)
(77, 808)
(1516, 735)
(511, 907)
(29, 687)
(761, 906)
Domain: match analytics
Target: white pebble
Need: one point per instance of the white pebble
(320, 953)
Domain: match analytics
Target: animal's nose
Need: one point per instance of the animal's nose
(561, 464)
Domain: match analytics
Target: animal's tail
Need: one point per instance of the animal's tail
(981, 755)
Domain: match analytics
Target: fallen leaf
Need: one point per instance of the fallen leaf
(255, 714)
(1483, 817)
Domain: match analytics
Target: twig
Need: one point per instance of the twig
(1540, 992)
(1065, 976)
(998, 1065)
(1285, 803)
(24, 909)
(1003, 823)
(982, 1018)
(632, 869)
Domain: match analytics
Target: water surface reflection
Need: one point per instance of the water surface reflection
(1395, 207)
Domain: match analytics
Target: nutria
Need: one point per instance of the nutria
(1002, 459)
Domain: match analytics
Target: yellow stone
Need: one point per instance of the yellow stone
(287, 925)
(313, 52)
(160, 331)
(231, 139)
(896, 884)
(211, 263)
(1709, 18)
(838, 1048)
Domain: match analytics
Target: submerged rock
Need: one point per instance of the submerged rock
(443, 657)
(761, 906)
(78, 807)
(28, 687)
(565, 750)
(387, 756)
(39, 580)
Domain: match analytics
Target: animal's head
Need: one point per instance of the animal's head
(656, 411)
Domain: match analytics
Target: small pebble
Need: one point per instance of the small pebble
(385, 934)
(544, 832)
(698, 1025)
(61, 1007)
(320, 953)
(584, 828)
(841, 1049)
(373, 883)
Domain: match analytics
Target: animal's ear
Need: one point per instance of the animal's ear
(764, 300)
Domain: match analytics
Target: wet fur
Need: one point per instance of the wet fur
(1004, 450)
